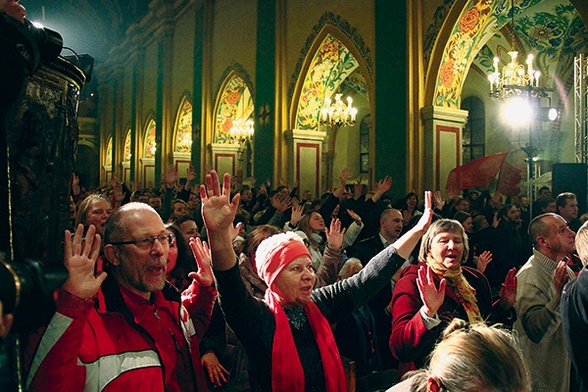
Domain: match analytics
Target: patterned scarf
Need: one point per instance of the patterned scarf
(465, 293)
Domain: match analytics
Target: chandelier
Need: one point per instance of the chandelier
(338, 113)
(242, 130)
(515, 80)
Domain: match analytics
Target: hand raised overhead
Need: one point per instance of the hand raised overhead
(335, 234)
(425, 220)
(218, 211)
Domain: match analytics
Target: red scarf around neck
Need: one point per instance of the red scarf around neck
(287, 371)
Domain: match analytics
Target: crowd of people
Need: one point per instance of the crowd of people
(231, 287)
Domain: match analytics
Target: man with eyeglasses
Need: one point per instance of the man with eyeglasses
(124, 328)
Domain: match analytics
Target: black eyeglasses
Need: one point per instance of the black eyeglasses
(147, 242)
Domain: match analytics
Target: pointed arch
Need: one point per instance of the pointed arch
(469, 26)
(234, 101)
(183, 127)
(333, 57)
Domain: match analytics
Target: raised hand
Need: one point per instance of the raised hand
(203, 277)
(483, 260)
(80, 256)
(356, 218)
(280, 204)
(190, 176)
(218, 211)
(560, 276)
(235, 230)
(171, 176)
(114, 181)
(425, 219)
(297, 213)
(431, 296)
(335, 235)
(452, 193)
(345, 175)
(75, 179)
(508, 290)
(438, 200)
(384, 185)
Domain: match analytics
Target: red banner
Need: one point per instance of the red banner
(479, 172)
(508, 180)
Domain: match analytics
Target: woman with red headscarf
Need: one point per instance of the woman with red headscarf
(287, 335)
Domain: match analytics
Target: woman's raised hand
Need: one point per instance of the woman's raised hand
(425, 220)
(335, 235)
(431, 296)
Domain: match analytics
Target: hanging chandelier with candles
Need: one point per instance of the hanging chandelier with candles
(515, 79)
(242, 130)
(338, 113)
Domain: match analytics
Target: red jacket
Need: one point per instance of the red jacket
(118, 341)
(410, 341)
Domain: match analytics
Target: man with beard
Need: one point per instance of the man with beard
(124, 328)
(539, 322)
(511, 246)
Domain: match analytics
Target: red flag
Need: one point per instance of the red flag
(479, 172)
(508, 180)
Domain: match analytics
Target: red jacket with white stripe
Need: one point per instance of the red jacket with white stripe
(119, 341)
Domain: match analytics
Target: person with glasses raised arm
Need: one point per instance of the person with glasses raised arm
(124, 328)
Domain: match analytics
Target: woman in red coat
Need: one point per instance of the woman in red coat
(436, 290)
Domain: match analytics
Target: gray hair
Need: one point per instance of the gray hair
(443, 226)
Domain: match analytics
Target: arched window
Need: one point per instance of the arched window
(150, 144)
(184, 128)
(474, 132)
(127, 152)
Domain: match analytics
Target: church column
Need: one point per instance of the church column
(443, 129)
(391, 110)
(265, 93)
(164, 112)
(137, 111)
(202, 100)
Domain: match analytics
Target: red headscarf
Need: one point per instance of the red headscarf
(287, 371)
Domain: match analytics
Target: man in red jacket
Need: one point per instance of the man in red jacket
(124, 328)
